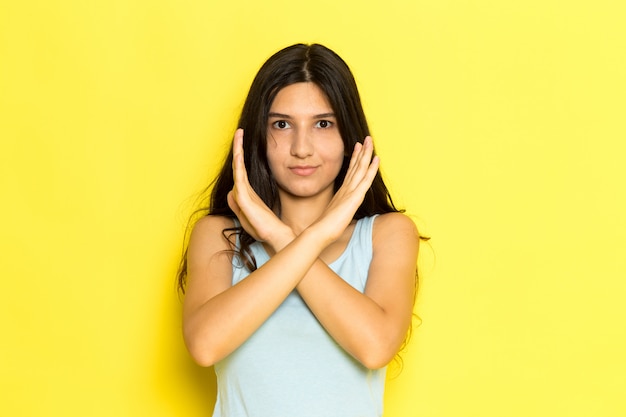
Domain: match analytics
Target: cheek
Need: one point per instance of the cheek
(335, 158)
(271, 161)
(340, 152)
(274, 154)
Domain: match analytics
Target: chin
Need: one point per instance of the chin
(301, 193)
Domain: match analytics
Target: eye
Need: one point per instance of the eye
(280, 124)
(324, 124)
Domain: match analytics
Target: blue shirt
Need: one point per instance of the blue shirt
(291, 367)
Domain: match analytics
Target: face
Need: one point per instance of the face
(304, 148)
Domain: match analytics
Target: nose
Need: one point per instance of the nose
(301, 145)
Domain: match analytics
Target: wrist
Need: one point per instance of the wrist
(317, 233)
(281, 238)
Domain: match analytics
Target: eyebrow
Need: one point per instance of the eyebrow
(286, 116)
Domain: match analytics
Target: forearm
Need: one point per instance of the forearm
(356, 322)
(222, 323)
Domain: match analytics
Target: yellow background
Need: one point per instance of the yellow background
(501, 127)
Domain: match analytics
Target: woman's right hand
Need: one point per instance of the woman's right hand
(253, 214)
(348, 198)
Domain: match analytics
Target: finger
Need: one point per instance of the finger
(238, 139)
(240, 134)
(355, 153)
(353, 162)
(372, 170)
(362, 161)
(365, 157)
(369, 165)
(239, 167)
(237, 170)
(232, 203)
(237, 144)
(365, 182)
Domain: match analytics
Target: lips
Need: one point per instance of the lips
(304, 170)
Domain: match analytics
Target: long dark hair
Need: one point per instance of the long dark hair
(297, 63)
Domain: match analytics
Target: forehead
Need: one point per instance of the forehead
(305, 97)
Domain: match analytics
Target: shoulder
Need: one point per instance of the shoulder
(395, 236)
(210, 224)
(209, 231)
(394, 224)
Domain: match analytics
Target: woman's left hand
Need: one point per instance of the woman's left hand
(346, 201)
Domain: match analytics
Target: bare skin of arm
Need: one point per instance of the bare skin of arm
(218, 317)
(372, 325)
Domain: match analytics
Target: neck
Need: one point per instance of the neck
(299, 213)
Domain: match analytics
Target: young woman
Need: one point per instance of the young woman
(300, 281)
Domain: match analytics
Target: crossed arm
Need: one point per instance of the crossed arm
(218, 317)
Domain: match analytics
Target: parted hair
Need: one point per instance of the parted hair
(298, 63)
